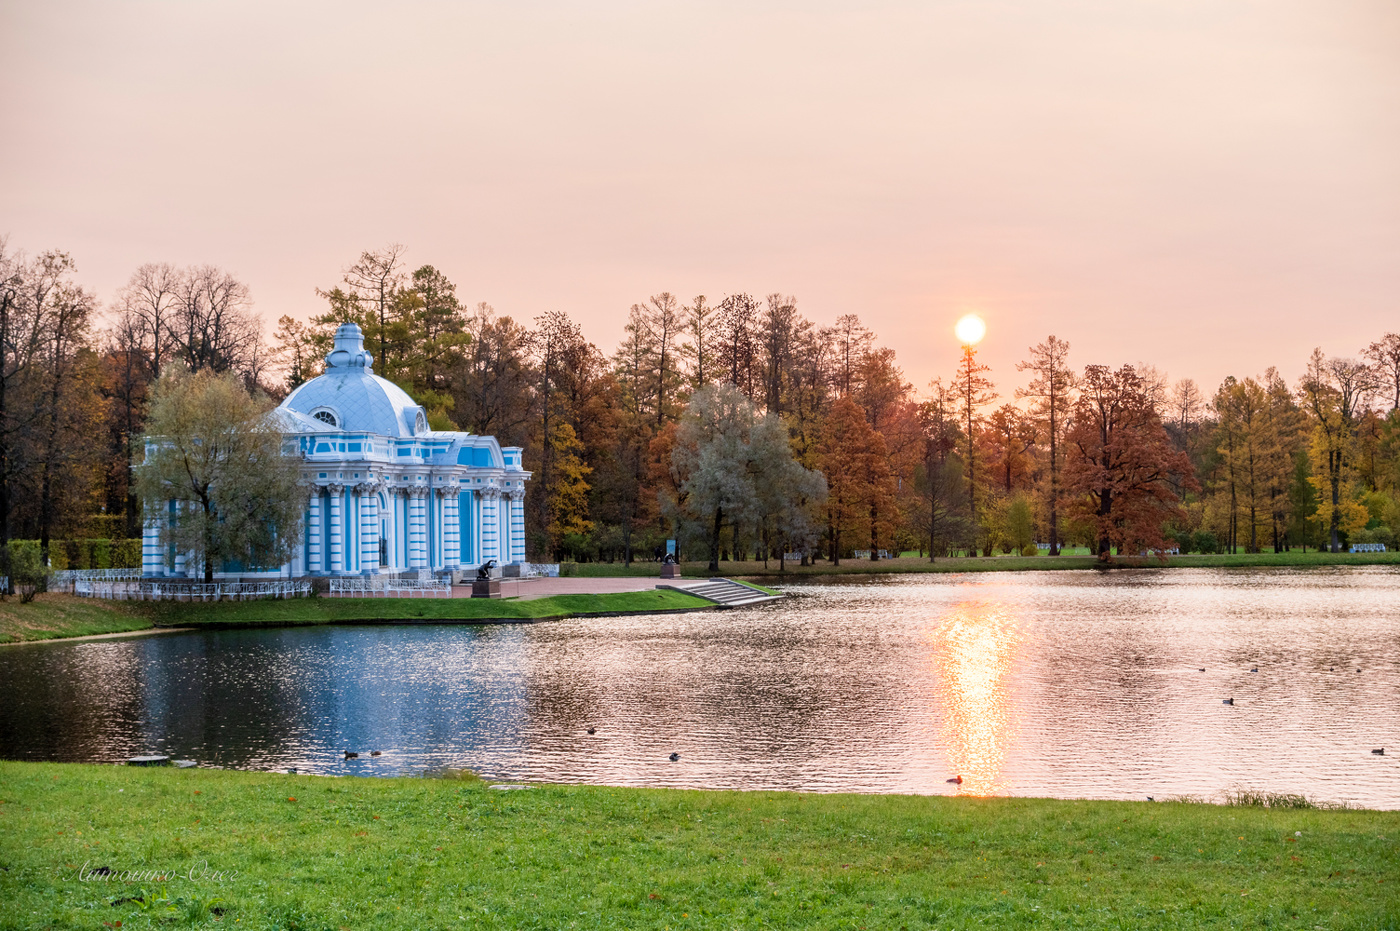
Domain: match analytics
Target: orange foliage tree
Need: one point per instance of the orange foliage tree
(1121, 470)
(860, 483)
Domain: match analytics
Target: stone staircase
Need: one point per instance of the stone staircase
(724, 592)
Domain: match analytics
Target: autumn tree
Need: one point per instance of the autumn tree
(1120, 465)
(568, 488)
(974, 391)
(216, 452)
(942, 473)
(1334, 393)
(860, 484)
(700, 351)
(1049, 392)
(737, 349)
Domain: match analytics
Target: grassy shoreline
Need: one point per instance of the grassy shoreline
(52, 617)
(318, 853)
(911, 564)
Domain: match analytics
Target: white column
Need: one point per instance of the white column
(337, 541)
(369, 527)
(517, 525)
(452, 529)
(439, 506)
(180, 557)
(417, 529)
(314, 563)
(490, 524)
(152, 559)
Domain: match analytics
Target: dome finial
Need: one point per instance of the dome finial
(349, 351)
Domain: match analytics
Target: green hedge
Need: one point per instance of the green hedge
(99, 553)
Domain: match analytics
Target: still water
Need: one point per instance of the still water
(1062, 684)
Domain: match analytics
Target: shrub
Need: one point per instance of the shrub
(1203, 541)
(1030, 549)
(21, 562)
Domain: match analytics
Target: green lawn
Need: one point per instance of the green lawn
(912, 563)
(51, 616)
(302, 852)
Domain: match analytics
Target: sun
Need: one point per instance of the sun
(970, 330)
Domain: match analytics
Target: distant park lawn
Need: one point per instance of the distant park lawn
(909, 562)
(51, 616)
(322, 854)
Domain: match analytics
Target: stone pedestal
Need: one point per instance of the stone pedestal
(670, 572)
(486, 588)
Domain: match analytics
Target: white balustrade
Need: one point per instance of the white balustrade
(390, 588)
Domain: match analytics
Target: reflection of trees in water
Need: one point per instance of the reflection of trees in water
(750, 692)
(974, 647)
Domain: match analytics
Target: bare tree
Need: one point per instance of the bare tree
(1384, 355)
(1049, 390)
(374, 283)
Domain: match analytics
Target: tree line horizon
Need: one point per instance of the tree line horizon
(738, 427)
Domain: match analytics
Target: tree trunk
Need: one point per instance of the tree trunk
(1105, 512)
(714, 540)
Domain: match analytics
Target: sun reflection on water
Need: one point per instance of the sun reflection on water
(974, 647)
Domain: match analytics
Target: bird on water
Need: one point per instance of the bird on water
(351, 754)
(956, 779)
(1228, 701)
(675, 757)
(593, 730)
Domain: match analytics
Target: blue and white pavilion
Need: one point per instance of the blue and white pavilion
(388, 495)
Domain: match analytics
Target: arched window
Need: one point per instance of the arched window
(326, 416)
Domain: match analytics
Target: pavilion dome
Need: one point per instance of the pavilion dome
(350, 397)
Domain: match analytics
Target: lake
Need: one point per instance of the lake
(1065, 684)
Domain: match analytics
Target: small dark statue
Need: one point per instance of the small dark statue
(669, 560)
(485, 571)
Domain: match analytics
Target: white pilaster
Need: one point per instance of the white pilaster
(314, 562)
(417, 529)
(517, 525)
(337, 544)
(369, 527)
(490, 524)
(452, 529)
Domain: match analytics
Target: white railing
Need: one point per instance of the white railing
(533, 570)
(390, 588)
(63, 580)
(1368, 547)
(94, 575)
(128, 590)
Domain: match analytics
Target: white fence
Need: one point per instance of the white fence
(390, 588)
(128, 590)
(532, 570)
(1368, 547)
(865, 554)
(94, 575)
(63, 580)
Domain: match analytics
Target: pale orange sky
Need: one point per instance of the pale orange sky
(1212, 186)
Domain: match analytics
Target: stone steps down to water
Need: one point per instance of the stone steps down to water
(724, 592)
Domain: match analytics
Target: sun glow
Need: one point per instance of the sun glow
(970, 330)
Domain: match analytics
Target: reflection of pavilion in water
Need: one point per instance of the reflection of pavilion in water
(974, 646)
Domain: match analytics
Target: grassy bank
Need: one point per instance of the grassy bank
(51, 616)
(756, 569)
(321, 853)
